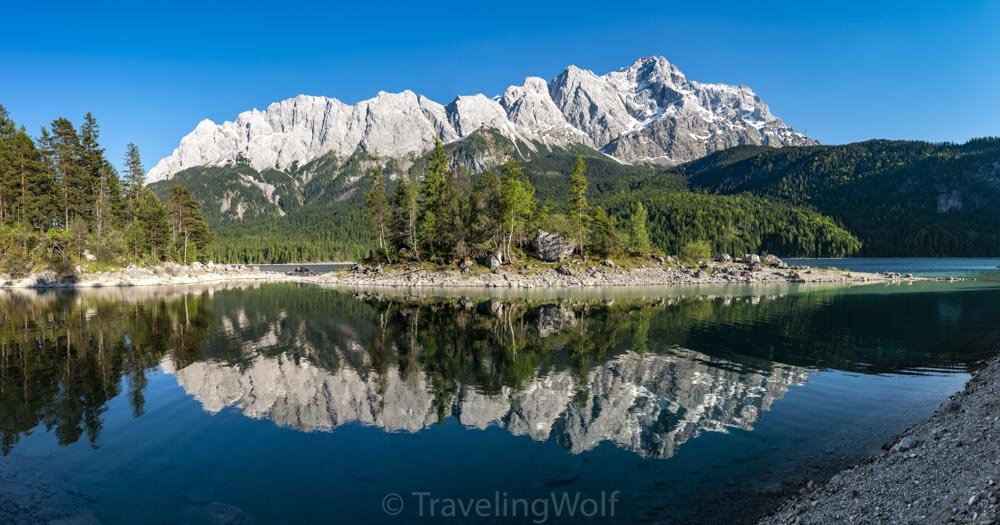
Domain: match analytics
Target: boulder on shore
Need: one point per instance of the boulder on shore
(774, 261)
(552, 247)
(493, 262)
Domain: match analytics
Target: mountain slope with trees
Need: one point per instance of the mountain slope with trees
(901, 198)
(339, 230)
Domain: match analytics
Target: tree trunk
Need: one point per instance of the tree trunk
(381, 240)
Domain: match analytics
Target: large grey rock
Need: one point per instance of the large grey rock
(552, 247)
(775, 261)
(493, 262)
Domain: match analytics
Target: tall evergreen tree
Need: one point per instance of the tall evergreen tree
(579, 209)
(605, 238)
(638, 233)
(150, 234)
(377, 209)
(405, 216)
(189, 231)
(436, 235)
(101, 179)
(486, 214)
(65, 153)
(134, 174)
(8, 175)
(34, 201)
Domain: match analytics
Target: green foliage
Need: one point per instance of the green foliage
(377, 210)
(605, 240)
(440, 228)
(61, 204)
(517, 205)
(579, 209)
(790, 201)
(696, 251)
(190, 232)
(638, 241)
(901, 198)
(737, 224)
(405, 211)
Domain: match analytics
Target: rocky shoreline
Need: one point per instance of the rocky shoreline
(752, 270)
(943, 470)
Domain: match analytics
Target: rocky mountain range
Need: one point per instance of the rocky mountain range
(648, 112)
(648, 404)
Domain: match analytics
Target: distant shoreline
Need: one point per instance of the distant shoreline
(579, 276)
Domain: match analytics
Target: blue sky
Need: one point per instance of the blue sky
(840, 71)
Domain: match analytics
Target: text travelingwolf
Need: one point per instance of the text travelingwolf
(502, 505)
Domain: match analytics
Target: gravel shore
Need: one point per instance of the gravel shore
(944, 470)
(595, 275)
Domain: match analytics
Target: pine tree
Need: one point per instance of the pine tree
(405, 215)
(579, 209)
(436, 234)
(134, 176)
(65, 153)
(486, 214)
(34, 201)
(150, 233)
(605, 239)
(190, 234)
(377, 209)
(8, 175)
(639, 234)
(100, 178)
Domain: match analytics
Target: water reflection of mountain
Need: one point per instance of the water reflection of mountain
(649, 404)
(643, 373)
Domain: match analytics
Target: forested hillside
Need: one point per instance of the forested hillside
(336, 229)
(876, 198)
(901, 198)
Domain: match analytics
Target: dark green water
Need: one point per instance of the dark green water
(298, 404)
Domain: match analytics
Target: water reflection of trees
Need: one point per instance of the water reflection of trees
(64, 356)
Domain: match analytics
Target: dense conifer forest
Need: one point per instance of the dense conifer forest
(63, 204)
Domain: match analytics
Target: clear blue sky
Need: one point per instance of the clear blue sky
(841, 71)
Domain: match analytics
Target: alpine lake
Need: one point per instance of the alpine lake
(287, 403)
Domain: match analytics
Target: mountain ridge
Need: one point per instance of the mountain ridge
(648, 112)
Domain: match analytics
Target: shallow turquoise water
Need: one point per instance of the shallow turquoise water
(298, 404)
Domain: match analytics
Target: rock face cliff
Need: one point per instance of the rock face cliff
(649, 404)
(646, 112)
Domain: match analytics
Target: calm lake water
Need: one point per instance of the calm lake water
(286, 403)
(927, 267)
